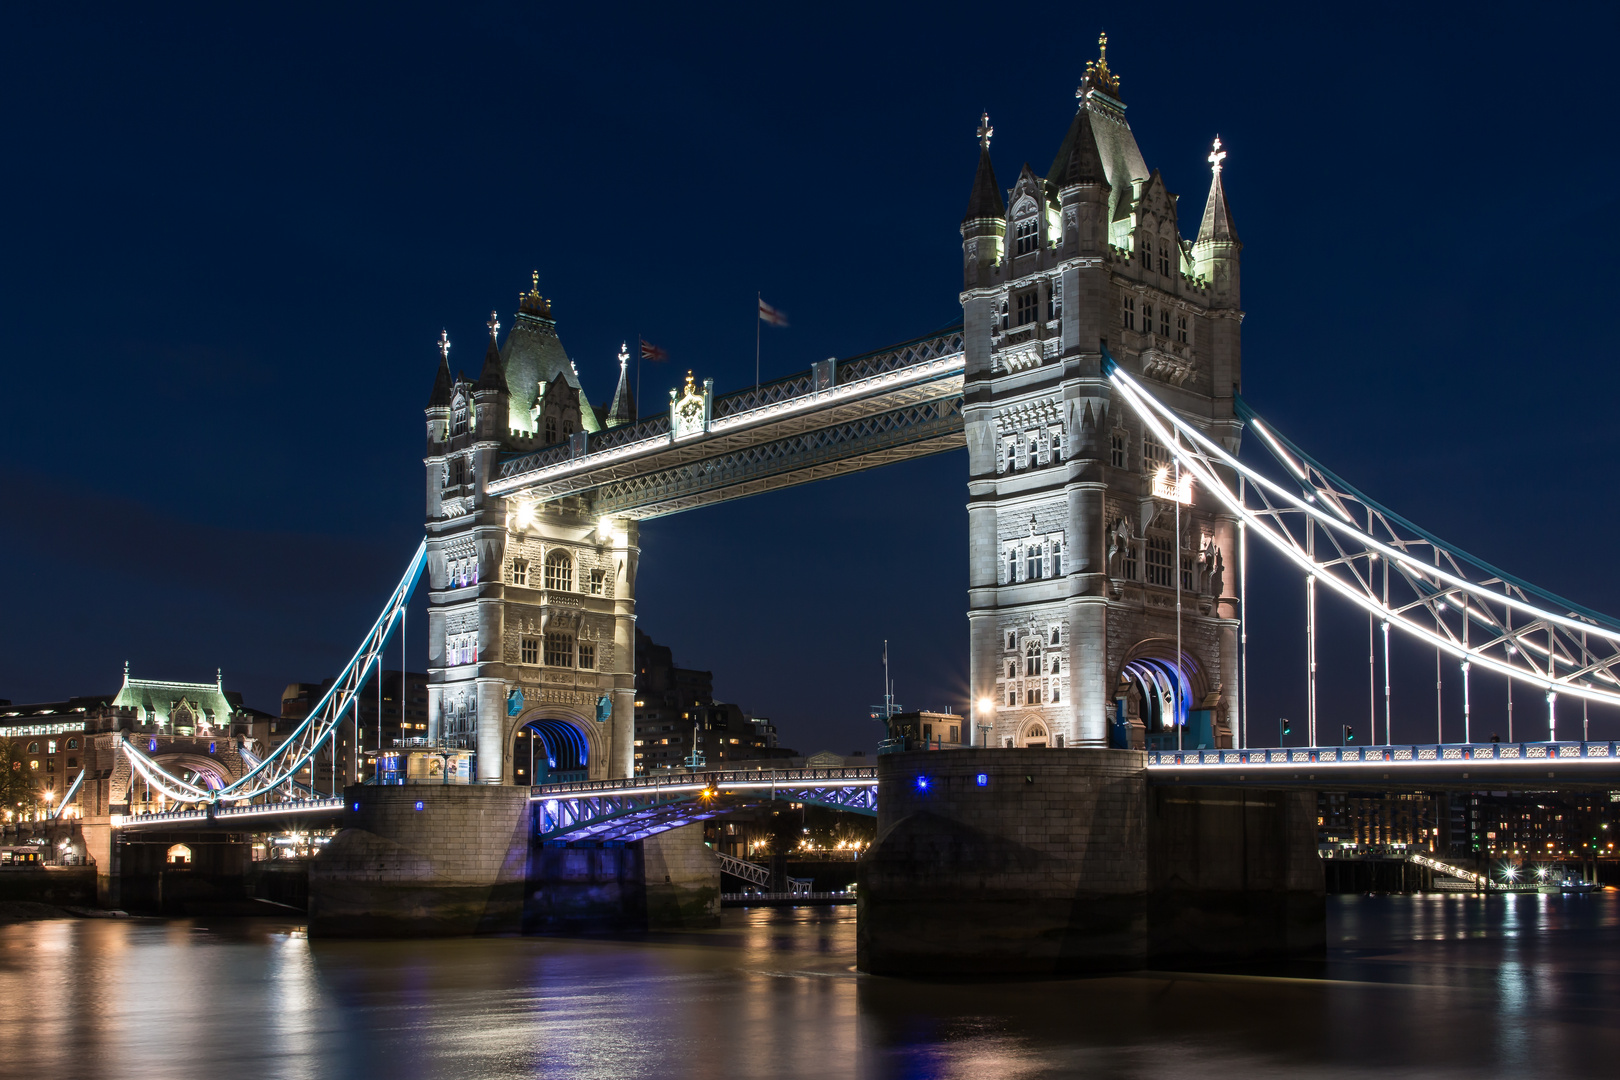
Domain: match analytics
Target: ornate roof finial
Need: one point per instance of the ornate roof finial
(624, 355)
(1216, 156)
(531, 301)
(444, 345)
(985, 131)
(494, 324)
(1097, 76)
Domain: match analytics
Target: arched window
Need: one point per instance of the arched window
(551, 429)
(559, 571)
(73, 744)
(1032, 568)
(1032, 658)
(1056, 697)
(178, 855)
(1164, 256)
(33, 748)
(1055, 639)
(1057, 665)
(1057, 559)
(1012, 669)
(568, 429)
(1012, 567)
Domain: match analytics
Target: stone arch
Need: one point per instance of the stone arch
(213, 773)
(570, 743)
(177, 855)
(1035, 733)
(1166, 692)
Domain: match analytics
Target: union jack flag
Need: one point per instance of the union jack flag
(652, 353)
(771, 315)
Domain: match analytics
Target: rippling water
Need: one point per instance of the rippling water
(1524, 986)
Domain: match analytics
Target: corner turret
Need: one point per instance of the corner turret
(1215, 252)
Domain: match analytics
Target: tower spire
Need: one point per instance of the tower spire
(985, 201)
(623, 408)
(441, 382)
(492, 378)
(1217, 224)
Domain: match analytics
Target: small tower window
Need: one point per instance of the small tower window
(1055, 696)
(1027, 235)
(1032, 658)
(587, 654)
(1032, 568)
(520, 571)
(1027, 306)
(1057, 444)
(1012, 640)
(1054, 641)
(1057, 564)
(598, 582)
(1130, 313)
(1012, 696)
(1116, 448)
(1012, 572)
(1147, 318)
(551, 429)
(559, 572)
(1164, 256)
(1164, 322)
(1181, 329)
(1012, 452)
(1012, 670)
(529, 650)
(1054, 300)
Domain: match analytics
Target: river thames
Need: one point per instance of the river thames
(1522, 986)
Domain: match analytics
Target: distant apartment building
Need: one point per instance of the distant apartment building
(676, 714)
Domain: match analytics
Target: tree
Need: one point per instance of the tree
(17, 792)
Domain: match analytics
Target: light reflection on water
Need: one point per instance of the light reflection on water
(1527, 985)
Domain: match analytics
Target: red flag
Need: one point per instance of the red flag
(772, 315)
(652, 353)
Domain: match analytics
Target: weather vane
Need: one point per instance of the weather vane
(444, 345)
(985, 131)
(1217, 155)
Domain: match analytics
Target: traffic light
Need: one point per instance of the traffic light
(1287, 726)
(1349, 734)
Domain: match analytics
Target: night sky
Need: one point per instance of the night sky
(234, 232)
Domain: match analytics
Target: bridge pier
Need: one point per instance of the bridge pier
(1052, 862)
(449, 860)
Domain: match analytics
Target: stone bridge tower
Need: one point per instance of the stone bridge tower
(531, 606)
(1073, 509)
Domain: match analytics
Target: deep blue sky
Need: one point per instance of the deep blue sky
(233, 232)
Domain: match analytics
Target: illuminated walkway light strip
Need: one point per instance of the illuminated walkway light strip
(1151, 410)
(1535, 755)
(67, 797)
(925, 371)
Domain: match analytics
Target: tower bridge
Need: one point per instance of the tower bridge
(1095, 383)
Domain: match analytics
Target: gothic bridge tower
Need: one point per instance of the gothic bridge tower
(1077, 529)
(531, 606)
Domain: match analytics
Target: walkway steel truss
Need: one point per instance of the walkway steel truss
(927, 370)
(621, 811)
(916, 431)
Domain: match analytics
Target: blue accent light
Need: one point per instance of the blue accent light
(922, 783)
(151, 746)
(357, 807)
(211, 748)
(982, 780)
(419, 805)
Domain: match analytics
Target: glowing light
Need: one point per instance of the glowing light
(1164, 487)
(922, 783)
(1287, 458)
(986, 705)
(982, 780)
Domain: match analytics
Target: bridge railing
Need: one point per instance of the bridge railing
(694, 781)
(739, 407)
(1399, 754)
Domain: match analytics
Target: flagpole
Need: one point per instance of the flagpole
(758, 299)
(639, 346)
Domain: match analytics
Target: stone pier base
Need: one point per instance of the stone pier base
(1028, 862)
(424, 860)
